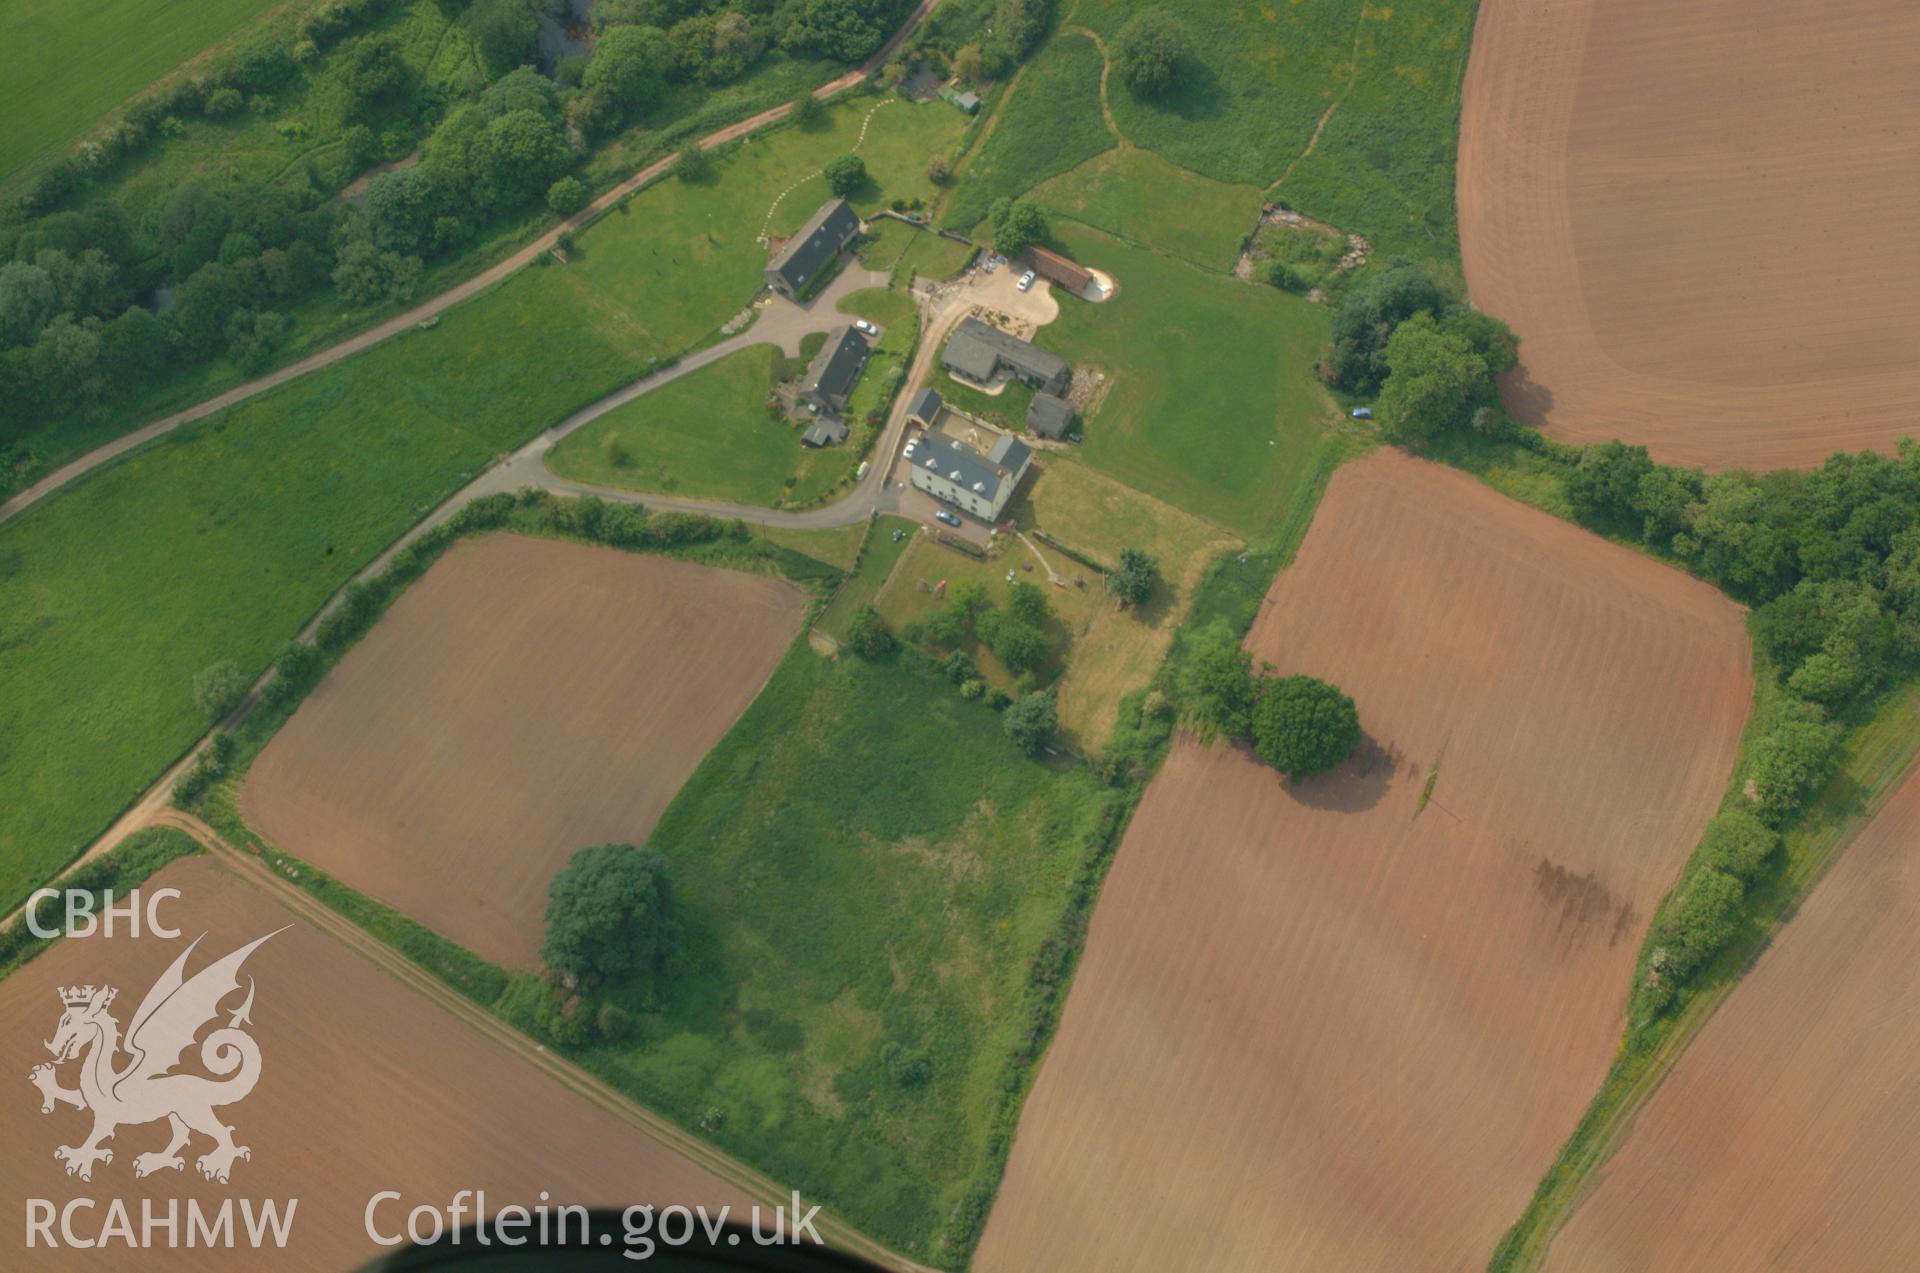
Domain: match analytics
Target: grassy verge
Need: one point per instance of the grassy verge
(1876, 754)
(129, 864)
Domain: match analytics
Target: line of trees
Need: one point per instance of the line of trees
(1300, 725)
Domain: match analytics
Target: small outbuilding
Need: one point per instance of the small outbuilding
(824, 433)
(924, 407)
(1049, 416)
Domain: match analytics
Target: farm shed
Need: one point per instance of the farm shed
(1058, 270)
(1048, 416)
(979, 351)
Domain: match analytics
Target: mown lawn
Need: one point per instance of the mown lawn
(1264, 77)
(221, 541)
(867, 869)
(1137, 195)
(1211, 402)
(114, 49)
(709, 434)
(1050, 124)
(706, 435)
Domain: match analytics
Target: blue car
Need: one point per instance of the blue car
(1363, 413)
(948, 518)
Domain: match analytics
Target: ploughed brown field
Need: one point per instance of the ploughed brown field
(525, 699)
(1320, 1027)
(1699, 219)
(1788, 1136)
(364, 1086)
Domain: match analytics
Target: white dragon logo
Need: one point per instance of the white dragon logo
(145, 1090)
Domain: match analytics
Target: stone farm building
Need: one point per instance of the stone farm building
(805, 257)
(978, 352)
(958, 474)
(1049, 416)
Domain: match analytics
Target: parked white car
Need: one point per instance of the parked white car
(1026, 280)
(866, 328)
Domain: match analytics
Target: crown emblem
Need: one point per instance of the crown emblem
(76, 996)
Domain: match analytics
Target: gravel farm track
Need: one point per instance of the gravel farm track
(1699, 220)
(1788, 1135)
(1347, 1023)
(607, 678)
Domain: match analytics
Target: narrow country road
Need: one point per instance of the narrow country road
(445, 300)
(311, 911)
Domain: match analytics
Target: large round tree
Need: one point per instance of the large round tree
(1302, 725)
(610, 914)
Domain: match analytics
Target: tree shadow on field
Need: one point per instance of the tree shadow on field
(1355, 786)
(1196, 96)
(1528, 401)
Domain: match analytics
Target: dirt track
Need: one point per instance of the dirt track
(1699, 220)
(525, 699)
(1788, 1136)
(1322, 1028)
(364, 1086)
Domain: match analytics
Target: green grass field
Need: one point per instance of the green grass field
(1266, 75)
(1137, 195)
(707, 435)
(1050, 124)
(1211, 401)
(220, 541)
(867, 868)
(117, 48)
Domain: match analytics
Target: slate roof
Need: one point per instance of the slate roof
(824, 234)
(976, 350)
(958, 462)
(834, 369)
(925, 406)
(1048, 416)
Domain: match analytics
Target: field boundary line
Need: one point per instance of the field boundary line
(1547, 1212)
(250, 869)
